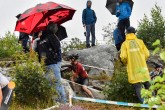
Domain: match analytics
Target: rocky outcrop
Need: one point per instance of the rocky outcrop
(102, 56)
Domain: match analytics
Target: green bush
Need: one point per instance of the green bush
(157, 85)
(9, 45)
(153, 28)
(32, 87)
(75, 43)
(118, 89)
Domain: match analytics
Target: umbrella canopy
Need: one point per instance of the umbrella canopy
(37, 18)
(111, 5)
(61, 33)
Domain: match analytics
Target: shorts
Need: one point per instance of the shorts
(82, 81)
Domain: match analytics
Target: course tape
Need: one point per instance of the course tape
(114, 102)
(53, 107)
(105, 69)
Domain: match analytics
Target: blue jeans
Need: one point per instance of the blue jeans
(90, 29)
(55, 68)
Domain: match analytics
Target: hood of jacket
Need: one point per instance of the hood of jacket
(87, 3)
(131, 36)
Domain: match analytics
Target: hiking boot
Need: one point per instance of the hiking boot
(93, 45)
(88, 46)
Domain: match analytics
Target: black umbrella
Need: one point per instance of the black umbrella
(111, 5)
(61, 33)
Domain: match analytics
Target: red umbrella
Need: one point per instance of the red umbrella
(37, 18)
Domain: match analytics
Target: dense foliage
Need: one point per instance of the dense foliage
(9, 45)
(32, 85)
(150, 29)
(75, 43)
(156, 94)
(118, 89)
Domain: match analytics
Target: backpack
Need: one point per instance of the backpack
(45, 50)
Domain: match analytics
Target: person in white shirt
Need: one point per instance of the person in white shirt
(34, 44)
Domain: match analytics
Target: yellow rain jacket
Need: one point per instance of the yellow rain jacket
(134, 53)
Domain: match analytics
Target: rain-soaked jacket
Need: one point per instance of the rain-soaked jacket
(89, 16)
(125, 11)
(134, 53)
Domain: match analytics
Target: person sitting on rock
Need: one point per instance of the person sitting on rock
(79, 76)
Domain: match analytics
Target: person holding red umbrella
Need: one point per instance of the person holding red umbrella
(37, 18)
(49, 49)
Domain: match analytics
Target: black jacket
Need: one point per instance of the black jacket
(49, 47)
(23, 36)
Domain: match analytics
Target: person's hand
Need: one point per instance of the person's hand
(118, 11)
(40, 34)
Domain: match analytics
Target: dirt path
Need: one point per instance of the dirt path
(96, 106)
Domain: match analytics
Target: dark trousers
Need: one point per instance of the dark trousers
(5, 92)
(90, 29)
(138, 87)
(123, 25)
(24, 45)
(118, 46)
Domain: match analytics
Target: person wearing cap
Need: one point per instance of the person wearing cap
(49, 50)
(123, 12)
(79, 76)
(89, 19)
(134, 54)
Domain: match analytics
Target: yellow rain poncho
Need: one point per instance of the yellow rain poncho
(134, 53)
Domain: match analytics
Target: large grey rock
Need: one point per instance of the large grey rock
(96, 93)
(154, 60)
(67, 88)
(99, 56)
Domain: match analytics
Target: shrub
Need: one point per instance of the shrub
(108, 33)
(75, 43)
(157, 85)
(119, 89)
(151, 29)
(9, 45)
(32, 87)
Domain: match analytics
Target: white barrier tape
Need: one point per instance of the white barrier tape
(82, 85)
(53, 107)
(114, 102)
(105, 69)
